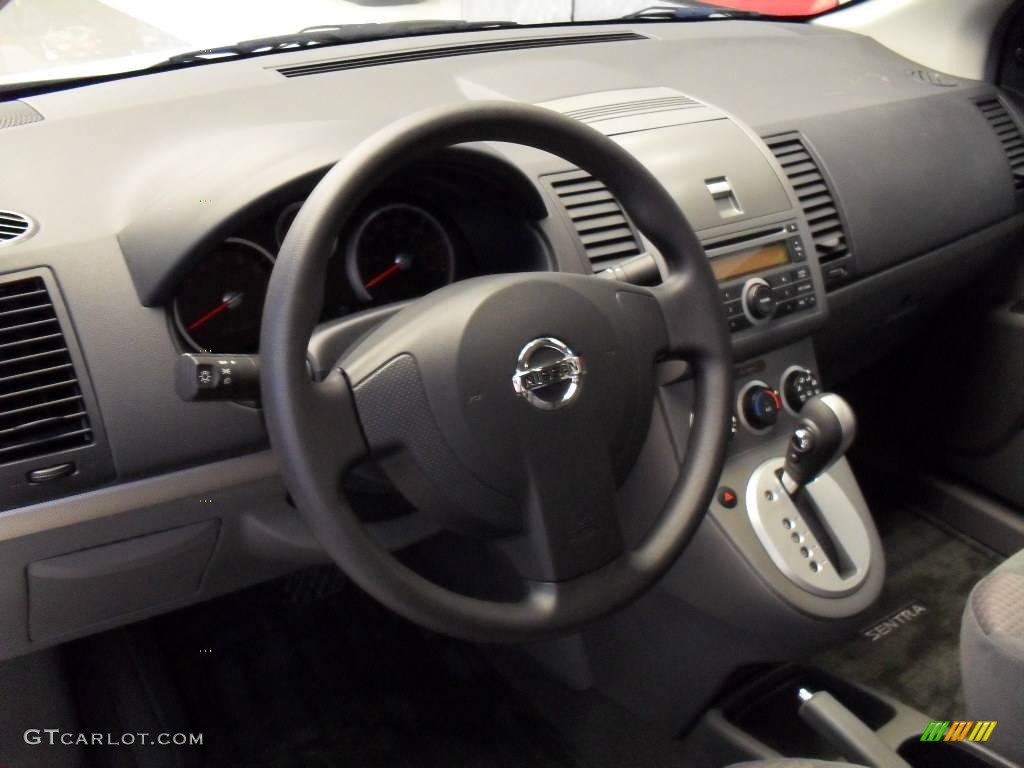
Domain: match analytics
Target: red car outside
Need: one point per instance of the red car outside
(781, 7)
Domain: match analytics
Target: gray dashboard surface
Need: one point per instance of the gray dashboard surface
(142, 172)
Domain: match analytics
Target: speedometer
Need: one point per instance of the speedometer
(399, 251)
(219, 305)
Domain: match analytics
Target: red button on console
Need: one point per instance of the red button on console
(727, 497)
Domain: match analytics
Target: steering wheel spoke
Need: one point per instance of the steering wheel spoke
(330, 430)
(571, 526)
(693, 317)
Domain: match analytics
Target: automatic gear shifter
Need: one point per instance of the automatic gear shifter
(814, 532)
(825, 431)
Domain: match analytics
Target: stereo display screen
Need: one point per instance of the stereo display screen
(753, 260)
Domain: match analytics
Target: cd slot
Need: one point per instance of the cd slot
(748, 239)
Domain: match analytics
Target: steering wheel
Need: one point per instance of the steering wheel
(509, 407)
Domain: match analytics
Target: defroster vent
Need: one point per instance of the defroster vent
(819, 206)
(42, 409)
(607, 235)
(498, 45)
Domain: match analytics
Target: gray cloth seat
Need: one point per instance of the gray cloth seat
(992, 655)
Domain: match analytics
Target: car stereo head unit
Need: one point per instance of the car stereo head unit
(762, 275)
(749, 260)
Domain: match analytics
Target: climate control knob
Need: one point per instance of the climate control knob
(758, 299)
(798, 386)
(760, 406)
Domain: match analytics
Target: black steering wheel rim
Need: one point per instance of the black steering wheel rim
(315, 427)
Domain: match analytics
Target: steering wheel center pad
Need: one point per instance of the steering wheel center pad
(434, 389)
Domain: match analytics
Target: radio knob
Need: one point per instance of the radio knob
(758, 299)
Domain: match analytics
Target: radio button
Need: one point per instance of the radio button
(734, 309)
(801, 274)
(802, 288)
(732, 292)
(804, 302)
(796, 247)
(738, 324)
(784, 279)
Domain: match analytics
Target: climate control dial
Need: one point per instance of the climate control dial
(798, 386)
(759, 406)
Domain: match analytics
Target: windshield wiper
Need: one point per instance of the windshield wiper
(331, 34)
(699, 12)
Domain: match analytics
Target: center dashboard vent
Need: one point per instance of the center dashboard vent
(1009, 135)
(606, 234)
(818, 204)
(448, 51)
(42, 409)
(632, 108)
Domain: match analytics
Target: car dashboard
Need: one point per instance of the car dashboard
(825, 176)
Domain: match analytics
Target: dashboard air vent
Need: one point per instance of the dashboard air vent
(446, 51)
(631, 108)
(42, 410)
(1009, 136)
(933, 78)
(14, 226)
(818, 204)
(607, 235)
(15, 113)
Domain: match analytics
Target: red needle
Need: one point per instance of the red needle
(393, 269)
(231, 300)
(222, 307)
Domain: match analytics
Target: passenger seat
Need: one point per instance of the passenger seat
(992, 655)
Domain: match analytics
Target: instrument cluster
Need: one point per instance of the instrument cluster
(395, 249)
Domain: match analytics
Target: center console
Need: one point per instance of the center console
(814, 547)
(788, 557)
(763, 215)
(773, 574)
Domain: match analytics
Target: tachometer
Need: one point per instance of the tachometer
(219, 305)
(397, 252)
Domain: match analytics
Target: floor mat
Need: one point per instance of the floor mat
(909, 648)
(335, 680)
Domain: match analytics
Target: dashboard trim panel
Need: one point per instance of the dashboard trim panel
(138, 494)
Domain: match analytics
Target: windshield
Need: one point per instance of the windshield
(48, 39)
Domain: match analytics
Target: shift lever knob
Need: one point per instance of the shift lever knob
(825, 429)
